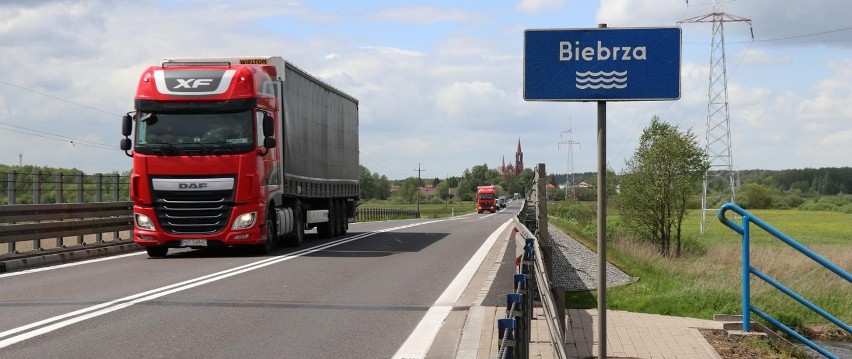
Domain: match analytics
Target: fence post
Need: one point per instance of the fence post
(11, 190)
(516, 309)
(506, 333)
(559, 298)
(541, 218)
(37, 200)
(80, 200)
(99, 178)
(59, 178)
(115, 235)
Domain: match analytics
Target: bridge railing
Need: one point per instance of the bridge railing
(40, 211)
(531, 280)
(748, 270)
(382, 214)
(37, 224)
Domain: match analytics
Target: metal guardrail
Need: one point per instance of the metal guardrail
(530, 280)
(382, 214)
(37, 222)
(747, 308)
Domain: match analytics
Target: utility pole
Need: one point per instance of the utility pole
(570, 167)
(719, 177)
(417, 187)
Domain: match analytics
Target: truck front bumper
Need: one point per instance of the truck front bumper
(255, 234)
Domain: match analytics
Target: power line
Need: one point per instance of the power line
(58, 98)
(55, 137)
(792, 37)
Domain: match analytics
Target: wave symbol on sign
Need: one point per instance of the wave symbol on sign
(601, 79)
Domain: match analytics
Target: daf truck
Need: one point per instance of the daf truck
(485, 199)
(239, 151)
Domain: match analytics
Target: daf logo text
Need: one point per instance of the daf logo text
(199, 185)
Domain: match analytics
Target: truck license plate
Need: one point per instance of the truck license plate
(193, 243)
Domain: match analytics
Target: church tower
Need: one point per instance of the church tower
(519, 159)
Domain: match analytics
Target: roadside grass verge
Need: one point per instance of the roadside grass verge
(708, 281)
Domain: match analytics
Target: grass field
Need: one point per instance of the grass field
(702, 284)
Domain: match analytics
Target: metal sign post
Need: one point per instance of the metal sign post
(603, 64)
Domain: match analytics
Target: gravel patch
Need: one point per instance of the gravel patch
(575, 267)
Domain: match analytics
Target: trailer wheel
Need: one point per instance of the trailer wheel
(157, 251)
(336, 223)
(326, 229)
(344, 217)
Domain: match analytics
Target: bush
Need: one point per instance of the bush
(435, 200)
(788, 201)
(578, 211)
(836, 201)
(818, 206)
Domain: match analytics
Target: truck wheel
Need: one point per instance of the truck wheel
(326, 229)
(344, 217)
(271, 234)
(157, 251)
(298, 235)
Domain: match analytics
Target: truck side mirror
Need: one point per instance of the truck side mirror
(268, 128)
(127, 125)
(125, 144)
(269, 142)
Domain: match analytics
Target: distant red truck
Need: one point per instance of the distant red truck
(485, 199)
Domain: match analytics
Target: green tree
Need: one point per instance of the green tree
(666, 169)
(368, 184)
(756, 196)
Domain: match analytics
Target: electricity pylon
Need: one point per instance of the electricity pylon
(719, 177)
(570, 168)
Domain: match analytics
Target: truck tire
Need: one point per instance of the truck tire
(344, 217)
(298, 236)
(327, 229)
(157, 251)
(271, 233)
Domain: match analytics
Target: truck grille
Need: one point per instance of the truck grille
(193, 212)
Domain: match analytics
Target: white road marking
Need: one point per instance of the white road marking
(72, 264)
(421, 338)
(32, 330)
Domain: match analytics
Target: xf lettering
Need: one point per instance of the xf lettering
(193, 83)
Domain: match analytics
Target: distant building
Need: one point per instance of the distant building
(517, 168)
(428, 190)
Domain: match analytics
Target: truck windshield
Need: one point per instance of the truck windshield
(486, 196)
(194, 133)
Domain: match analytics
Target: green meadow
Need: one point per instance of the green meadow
(707, 280)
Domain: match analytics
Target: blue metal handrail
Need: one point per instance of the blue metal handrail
(747, 269)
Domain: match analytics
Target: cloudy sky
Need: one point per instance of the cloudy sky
(440, 83)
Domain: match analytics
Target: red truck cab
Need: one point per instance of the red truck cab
(485, 199)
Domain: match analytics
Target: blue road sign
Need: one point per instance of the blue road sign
(602, 64)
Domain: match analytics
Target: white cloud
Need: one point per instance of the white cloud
(419, 15)
(434, 84)
(537, 6)
(760, 57)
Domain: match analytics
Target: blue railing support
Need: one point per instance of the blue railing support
(747, 270)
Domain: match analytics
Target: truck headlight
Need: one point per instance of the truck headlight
(143, 222)
(244, 221)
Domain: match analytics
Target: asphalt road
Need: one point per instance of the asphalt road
(358, 296)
